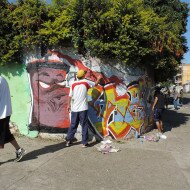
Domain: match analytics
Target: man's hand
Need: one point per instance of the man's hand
(98, 79)
(69, 108)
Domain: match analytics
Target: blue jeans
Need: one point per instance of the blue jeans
(180, 102)
(175, 102)
(77, 117)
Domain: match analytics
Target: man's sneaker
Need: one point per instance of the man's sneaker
(19, 154)
(68, 143)
(160, 135)
(85, 145)
(163, 136)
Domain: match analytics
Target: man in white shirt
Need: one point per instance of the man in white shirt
(5, 113)
(78, 105)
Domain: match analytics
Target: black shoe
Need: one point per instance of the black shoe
(19, 154)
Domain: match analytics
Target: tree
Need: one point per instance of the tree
(144, 33)
(27, 19)
(56, 30)
(58, 3)
(170, 44)
(8, 50)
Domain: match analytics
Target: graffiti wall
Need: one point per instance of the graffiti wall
(17, 79)
(118, 106)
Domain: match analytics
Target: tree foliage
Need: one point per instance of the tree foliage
(145, 33)
(170, 42)
(9, 49)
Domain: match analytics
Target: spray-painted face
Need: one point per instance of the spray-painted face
(50, 98)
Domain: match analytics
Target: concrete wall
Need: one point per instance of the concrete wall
(17, 79)
(40, 88)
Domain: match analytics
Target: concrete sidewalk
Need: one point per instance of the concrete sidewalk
(49, 165)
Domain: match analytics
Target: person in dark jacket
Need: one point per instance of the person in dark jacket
(158, 108)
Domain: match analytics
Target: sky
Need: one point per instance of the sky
(186, 59)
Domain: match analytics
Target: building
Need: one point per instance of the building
(186, 77)
(183, 77)
(185, 73)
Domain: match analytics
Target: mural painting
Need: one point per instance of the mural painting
(116, 114)
(49, 95)
(117, 107)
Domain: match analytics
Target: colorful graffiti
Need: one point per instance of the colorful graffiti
(116, 107)
(116, 114)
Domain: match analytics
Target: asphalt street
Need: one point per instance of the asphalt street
(49, 165)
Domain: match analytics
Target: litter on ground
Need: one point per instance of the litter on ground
(106, 147)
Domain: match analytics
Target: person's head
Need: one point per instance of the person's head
(81, 74)
(158, 88)
(157, 92)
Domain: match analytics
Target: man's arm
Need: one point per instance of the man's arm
(69, 104)
(155, 101)
(98, 80)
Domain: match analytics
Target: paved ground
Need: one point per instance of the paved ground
(49, 165)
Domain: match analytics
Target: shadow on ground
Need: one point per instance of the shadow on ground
(45, 150)
(174, 119)
(186, 100)
(49, 149)
(11, 160)
(35, 153)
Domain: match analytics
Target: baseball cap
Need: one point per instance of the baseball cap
(81, 73)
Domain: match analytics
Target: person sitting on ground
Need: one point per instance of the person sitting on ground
(158, 108)
(5, 114)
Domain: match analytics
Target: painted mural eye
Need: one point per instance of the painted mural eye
(62, 83)
(44, 85)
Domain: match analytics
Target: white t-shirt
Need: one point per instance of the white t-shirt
(78, 94)
(5, 99)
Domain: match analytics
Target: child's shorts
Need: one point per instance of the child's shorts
(158, 114)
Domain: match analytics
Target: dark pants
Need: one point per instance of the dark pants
(77, 117)
(158, 114)
(5, 134)
(176, 102)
